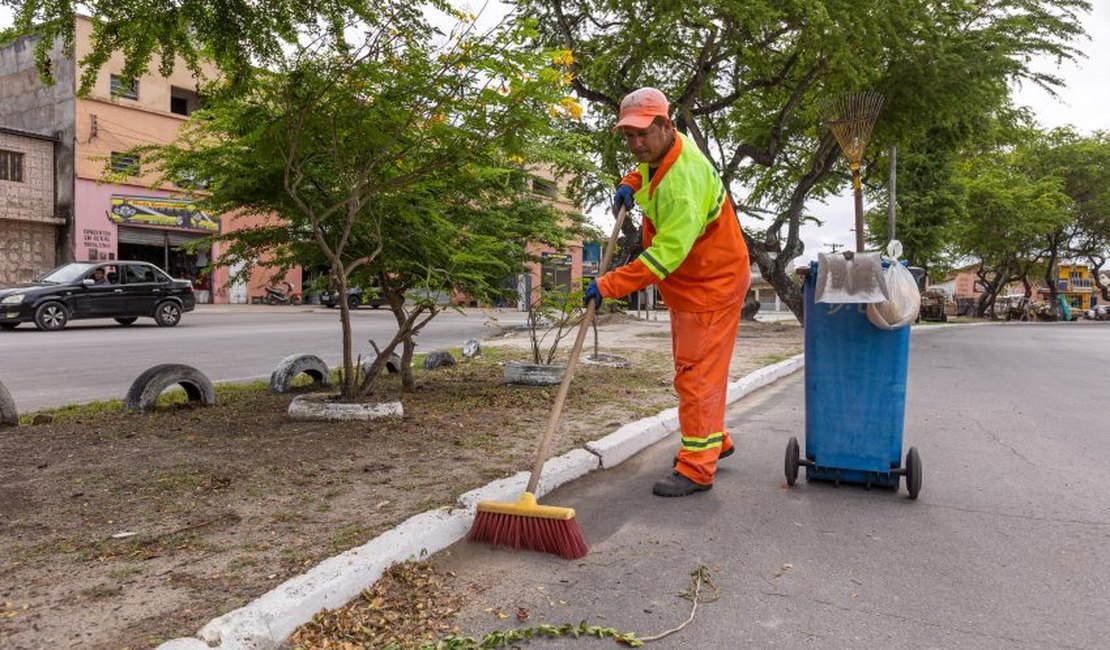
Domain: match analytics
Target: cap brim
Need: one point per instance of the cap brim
(635, 121)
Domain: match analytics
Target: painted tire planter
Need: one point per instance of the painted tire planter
(533, 374)
(295, 364)
(144, 391)
(324, 407)
(607, 361)
(9, 417)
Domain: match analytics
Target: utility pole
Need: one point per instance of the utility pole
(892, 194)
(834, 246)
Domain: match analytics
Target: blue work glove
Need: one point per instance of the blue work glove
(593, 294)
(623, 197)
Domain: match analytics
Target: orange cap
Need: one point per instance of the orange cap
(640, 107)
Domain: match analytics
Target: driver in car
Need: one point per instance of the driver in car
(99, 277)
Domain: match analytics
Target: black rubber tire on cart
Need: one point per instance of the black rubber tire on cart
(126, 321)
(791, 463)
(913, 472)
(353, 301)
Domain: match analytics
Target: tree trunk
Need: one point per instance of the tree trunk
(408, 381)
(349, 388)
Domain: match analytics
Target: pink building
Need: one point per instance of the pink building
(133, 218)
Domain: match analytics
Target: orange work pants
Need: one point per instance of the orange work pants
(702, 343)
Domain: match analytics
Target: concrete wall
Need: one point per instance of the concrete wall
(105, 123)
(31, 199)
(29, 105)
(26, 250)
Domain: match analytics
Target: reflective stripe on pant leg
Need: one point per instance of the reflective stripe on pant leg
(703, 343)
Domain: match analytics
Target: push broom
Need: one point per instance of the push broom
(524, 523)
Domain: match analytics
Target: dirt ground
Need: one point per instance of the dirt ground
(122, 531)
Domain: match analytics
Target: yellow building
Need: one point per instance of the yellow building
(1073, 281)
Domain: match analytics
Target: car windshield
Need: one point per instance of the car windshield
(67, 273)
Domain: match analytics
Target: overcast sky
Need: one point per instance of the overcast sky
(1083, 103)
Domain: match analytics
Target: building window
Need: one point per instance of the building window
(125, 90)
(11, 166)
(545, 187)
(184, 102)
(125, 163)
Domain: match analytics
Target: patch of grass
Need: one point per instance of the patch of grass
(181, 480)
(75, 411)
(350, 536)
(487, 441)
(101, 591)
(776, 358)
(427, 503)
(237, 565)
(123, 573)
(293, 556)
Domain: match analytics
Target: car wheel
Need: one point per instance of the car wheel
(8, 326)
(126, 321)
(51, 316)
(167, 314)
(352, 302)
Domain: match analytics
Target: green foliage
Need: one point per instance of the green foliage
(396, 160)
(745, 80)
(930, 200)
(238, 36)
(552, 312)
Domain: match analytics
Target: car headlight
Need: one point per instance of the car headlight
(13, 299)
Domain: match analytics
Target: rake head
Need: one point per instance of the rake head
(850, 117)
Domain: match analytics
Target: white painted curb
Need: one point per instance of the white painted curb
(265, 623)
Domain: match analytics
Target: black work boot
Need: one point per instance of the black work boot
(677, 485)
(724, 454)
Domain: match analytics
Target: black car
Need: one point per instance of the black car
(355, 297)
(120, 290)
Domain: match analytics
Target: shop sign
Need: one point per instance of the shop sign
(159, 211)
(556, 259)
(98, 244)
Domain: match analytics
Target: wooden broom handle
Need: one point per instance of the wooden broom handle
(568, 374)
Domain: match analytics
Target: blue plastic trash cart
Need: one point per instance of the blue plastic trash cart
(855, 393)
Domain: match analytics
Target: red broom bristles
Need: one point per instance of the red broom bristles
(562, 537)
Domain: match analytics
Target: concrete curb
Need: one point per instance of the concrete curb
(265, 623)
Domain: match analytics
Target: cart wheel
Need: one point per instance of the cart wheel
(913, 472)
(791, 464)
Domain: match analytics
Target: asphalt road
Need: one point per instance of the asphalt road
(1007, 546)
(98, 359)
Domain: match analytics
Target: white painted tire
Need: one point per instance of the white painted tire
(295, 364)
(324, 408)
(144, 391)
(9, 417)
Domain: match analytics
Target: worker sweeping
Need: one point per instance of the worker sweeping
(695, 252)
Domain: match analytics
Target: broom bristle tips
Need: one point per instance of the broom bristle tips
(562, 537)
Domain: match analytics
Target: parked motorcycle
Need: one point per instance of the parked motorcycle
(282, 295)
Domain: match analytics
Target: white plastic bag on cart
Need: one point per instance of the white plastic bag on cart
(905, 300)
